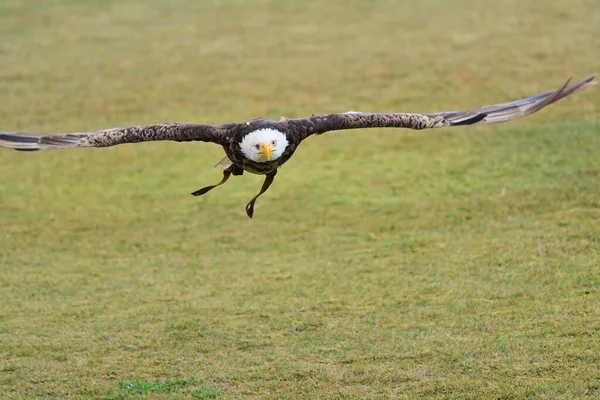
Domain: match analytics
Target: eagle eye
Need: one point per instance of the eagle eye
(257, 146)
(274, 142)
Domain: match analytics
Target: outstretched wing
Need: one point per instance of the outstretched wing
(318, 124)
(111, 137)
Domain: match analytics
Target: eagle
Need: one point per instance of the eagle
(261, 146)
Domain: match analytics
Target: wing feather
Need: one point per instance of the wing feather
(318, 124)
(111, 137)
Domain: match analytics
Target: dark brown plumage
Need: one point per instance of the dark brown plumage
(281, 138)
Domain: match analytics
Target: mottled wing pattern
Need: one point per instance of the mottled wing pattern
(111, 137)
(318, 124)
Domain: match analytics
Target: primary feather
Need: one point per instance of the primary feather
(318, 124)
(111, 137)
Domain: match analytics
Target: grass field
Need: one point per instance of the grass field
(459, 263)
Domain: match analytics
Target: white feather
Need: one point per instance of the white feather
(256, 138)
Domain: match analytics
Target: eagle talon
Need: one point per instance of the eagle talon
(226, 175)
(202, 191)
(268, 180)
(250, 209)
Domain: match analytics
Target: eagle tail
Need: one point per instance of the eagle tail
(32, 142)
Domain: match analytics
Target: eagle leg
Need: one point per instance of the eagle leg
(268, 180)
(226, 175)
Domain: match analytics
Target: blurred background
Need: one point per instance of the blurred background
(378, 258)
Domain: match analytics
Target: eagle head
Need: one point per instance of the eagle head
(263, 145)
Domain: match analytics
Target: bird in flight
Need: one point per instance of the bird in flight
(261, 146)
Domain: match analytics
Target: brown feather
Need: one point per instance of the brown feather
(318, 124)
(111, 137)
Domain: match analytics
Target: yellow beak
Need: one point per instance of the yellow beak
(266, 150)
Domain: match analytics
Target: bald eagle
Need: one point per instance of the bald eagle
(261, 146)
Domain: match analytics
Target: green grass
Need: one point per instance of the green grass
(462, 263)
(127, 389)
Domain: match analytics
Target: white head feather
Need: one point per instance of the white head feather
(251, 144)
